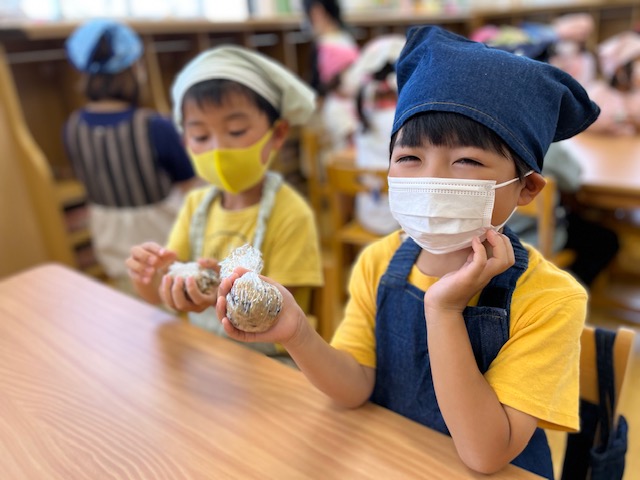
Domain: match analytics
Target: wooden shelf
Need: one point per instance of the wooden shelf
(80, 237)
(70, 192)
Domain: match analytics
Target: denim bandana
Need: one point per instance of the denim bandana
(125, 45)
(528, 103)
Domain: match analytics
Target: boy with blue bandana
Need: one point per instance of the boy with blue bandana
(452, 322)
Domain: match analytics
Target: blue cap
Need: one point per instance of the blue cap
(529, 104)
(81, 45)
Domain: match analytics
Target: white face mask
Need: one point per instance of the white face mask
(442, 215)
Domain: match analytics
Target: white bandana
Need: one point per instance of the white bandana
(292, 98)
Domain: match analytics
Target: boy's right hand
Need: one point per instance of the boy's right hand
(146, 260)
(183, 294)
(289, 327)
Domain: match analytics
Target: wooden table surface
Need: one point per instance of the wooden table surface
(95, 384)
(611, 169)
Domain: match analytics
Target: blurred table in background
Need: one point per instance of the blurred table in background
(611, 184)
(611, 170)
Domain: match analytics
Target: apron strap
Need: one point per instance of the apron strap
(273, 182)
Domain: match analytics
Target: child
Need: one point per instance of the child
(490, 353)
(372, 78)
(618, 91)
(130, 159)
(334, 49)
(235, 107)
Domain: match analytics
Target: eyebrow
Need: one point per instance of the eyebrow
(237, 116)
(230, 117)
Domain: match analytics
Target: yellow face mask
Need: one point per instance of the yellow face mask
(234, 170)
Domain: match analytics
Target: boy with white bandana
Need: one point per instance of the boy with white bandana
(453, 322)
(234, 108)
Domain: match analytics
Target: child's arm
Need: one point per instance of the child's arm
(334, 372)
(487, 434)
(145, 265)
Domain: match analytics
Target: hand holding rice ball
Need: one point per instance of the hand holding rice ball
(252, 304)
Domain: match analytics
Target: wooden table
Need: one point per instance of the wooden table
(611, 169)
(95, 384)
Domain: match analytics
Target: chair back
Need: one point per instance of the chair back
(310, 149)
(543, 208)
(598, 450)
(345, 181)
(622, 350)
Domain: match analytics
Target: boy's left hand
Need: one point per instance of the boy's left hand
(454, 290)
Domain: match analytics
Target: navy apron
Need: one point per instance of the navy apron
(403, 374)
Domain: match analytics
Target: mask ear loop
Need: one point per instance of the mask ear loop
(514, 210)
(513, 180)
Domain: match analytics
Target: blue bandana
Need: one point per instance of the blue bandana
(529, 104)
(125, 45)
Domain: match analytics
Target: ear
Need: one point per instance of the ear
(280, 133)
(533, 185)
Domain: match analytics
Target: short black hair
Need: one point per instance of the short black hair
(215, 91)
(378, 76)
(449, 129)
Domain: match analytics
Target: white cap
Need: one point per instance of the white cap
(617, 51)
(290, 96)
(375, 55)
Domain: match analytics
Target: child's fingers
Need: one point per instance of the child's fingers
(221, 306)
(502, 251)
(226, 284)
(181, 299)
(165, 291)
(148, 253)
(478, 257)
(209, 263)
(199, 299)
(237, 334)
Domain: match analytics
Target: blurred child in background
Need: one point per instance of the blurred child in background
(334, 49)
(372, 80)
(618, 89)
(129, 159)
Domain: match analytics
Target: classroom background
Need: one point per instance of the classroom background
(43, 211)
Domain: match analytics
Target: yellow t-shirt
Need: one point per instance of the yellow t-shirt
(537, 369)
(290, 250)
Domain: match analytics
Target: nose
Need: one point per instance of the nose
(434, 168)
(213, 143)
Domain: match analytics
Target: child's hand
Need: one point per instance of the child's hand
(146, 260)
(184, 295)
(288, 324)
(454, 290)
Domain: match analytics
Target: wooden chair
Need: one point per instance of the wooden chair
(345, 181)
(622, 351)
(543, 208)
(31, 217)
(310, 146)
(324, 313)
